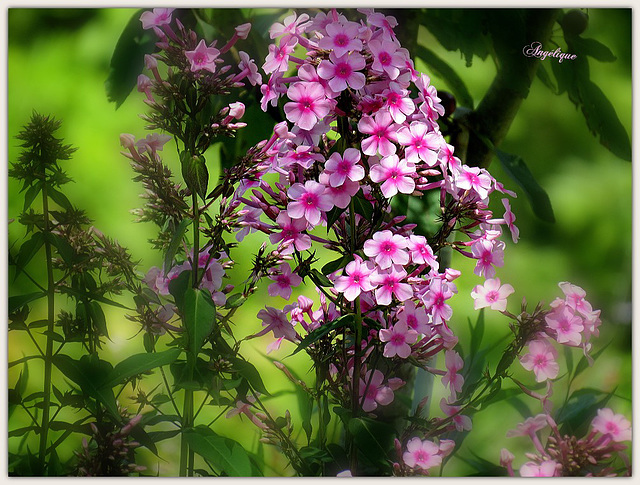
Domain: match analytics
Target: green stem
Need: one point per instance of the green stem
(187, 422)
(48, 364)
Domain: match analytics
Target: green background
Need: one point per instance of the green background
(58, 61)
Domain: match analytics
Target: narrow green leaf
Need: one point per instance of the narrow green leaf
(320, 279)
(593, 48)
(373, 438)
(18, 301)
(332, 216)
(235, 300)
(199, 318)
(127, 60)
(178, 288)
(80, 295)
(31, 194)
(139, 363)
(97, 318)
(59, 198)
(583, 363)
(250, 373)
(176, 240)
(27, 251)
(520, 173)
(443, 70)
(336, 264)
(227, 455)
(575, 417)
(477, 333)
(323, 330)
(65, 250)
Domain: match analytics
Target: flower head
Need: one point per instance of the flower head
(203, 57)
(492, 295)
(541, 359)
(421, 454)
(615, 425)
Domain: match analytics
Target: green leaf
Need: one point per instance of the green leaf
(65, 250)
(332, 216)
(373, 438)
(323, 330)
(320, 279)
(250, 373)
(178, 288)
(199, 318)
(336, 264)
(593, 48)
(97, 318)
(602, 120)
(18, 301)
(90, 373)
(31, 194)
(127, 60)
(543, 75)
(576, 415)
(443, 70)
(81, 295)
(584, 363)
(195, 173)
(27, 251)
(176, 240)
(519, 172)
(235, 300)
(225, 454)
(477, 333)
(139, 363)
(59, 198)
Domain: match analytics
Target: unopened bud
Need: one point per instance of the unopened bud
(150, 62)
(128, 141)
(242, 31)
(236, 110)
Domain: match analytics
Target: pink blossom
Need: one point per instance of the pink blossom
(291, 232)
(420, 143)
(387, 249)
(278, 58)
(575, 298)
(529, 426)
(308, 201)
(567, 325)
(452, 379)
(341, 37)
(541, 359)
(203, 57)
(390, 285)
(399, 339)
(375, 393)
(434, 300)
(428, 94)
(386, 57)
(249, 221)
(247, 64)
(308, 104)
(614, 425)
(489, 253)
(344, 167)
(152, 143)
(382, 131)
(547, 468)
(460, 421)
(510, 218)
(421, 454)
(474, 178)
(276, 321)
(272, 90)
(492, 295)
(291, 25)
(284, 280)
(357, 279)
(342, 71)
(341, 195)
(421, 252)
(398, 102)
(414, 318)
(156, 18)
(395, 175)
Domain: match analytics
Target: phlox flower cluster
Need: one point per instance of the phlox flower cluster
(362, 128)
(567, 455)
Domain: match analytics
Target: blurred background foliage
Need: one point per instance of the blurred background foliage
(58, 61)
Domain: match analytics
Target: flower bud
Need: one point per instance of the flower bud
(128, 141)
(236, 110)
(150, 62)
(144, 83)
(242, 31)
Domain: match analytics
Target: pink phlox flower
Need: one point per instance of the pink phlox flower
(422, 454)
(291, 233)
(421, 252)
(242, 407)
(322, 19)
(547, 468)
(247, 63)
(420, 143)
(387, 249)
(452, 379)
(357, 279)
(249, 221)
(375, 393)
(342, 71)
(380, 20)
(386, 57)
(529, 426)
(345, 166)
(460, 421)
(382, 131)
(278, 57)
(390, 284)
(414, 317)
(492, 295)
(398, 340)
(312, 136)
(276, 321)
(575, 298)
(341, 195)
(156, 18)
(152, 143)
(474, 178)
(291, 25)
(203, 57)
(157, 281)
(541, 359)
(510, 219)
(308, 201)
(398, 102)
(567, 325)
(489, 254)
(615, 425)
(308, 104)
(303, 155)
(272, 90)
(446, 157)
(591, 323)
(500, 188)
(308, 73)
(395, 175)
(284, 280)
(428, 95)
(435, 298)
(341, 37)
